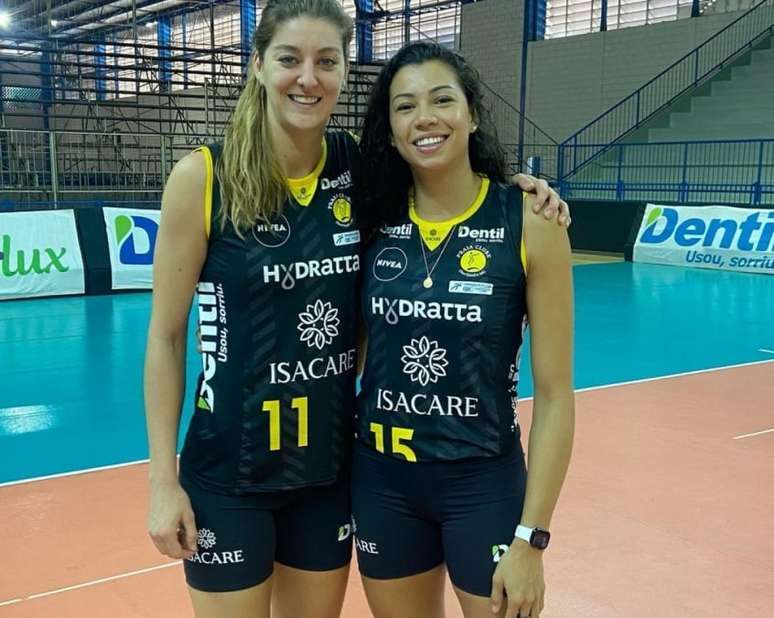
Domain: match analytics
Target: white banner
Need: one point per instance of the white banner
(721, 237)
(131, 235)
(39, 254)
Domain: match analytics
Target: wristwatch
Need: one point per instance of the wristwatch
(536, 537)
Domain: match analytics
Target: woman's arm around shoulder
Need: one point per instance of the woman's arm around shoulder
(544, 199)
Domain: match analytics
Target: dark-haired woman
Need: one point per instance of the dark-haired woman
(459, 263)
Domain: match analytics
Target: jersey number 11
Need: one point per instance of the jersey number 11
(301, 405)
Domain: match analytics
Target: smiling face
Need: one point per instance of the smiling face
(430, 118)
(303, 70)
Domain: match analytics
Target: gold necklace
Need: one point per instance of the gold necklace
(428, 281)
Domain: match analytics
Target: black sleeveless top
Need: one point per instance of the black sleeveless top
(442, 365)
(277, 314)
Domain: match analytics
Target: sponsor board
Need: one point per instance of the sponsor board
(739, 239)
(40, 255)
(131, 236)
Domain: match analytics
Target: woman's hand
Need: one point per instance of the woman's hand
(519, 575)
(546, 199)
(171, 522)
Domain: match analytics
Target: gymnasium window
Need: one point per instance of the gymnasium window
(570, 17)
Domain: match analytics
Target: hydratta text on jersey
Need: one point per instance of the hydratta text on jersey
(289, 274)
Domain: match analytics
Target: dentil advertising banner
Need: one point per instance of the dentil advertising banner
(740, 239)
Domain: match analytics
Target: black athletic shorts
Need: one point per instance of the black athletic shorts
(240, 537)
(410, 517)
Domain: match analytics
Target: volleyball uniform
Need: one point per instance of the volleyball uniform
(275, 398)
(439, 472)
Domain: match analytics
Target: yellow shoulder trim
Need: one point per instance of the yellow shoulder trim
(207, 189)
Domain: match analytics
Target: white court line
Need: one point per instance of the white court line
(11, 602)
(750, 435)
(577, 390)
(671, 375)
(766, 350)
(91, 583)
(74, 473)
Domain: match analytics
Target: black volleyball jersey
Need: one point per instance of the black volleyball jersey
(442, 364)
(277, 314)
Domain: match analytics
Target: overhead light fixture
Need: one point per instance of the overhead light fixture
(5, 19)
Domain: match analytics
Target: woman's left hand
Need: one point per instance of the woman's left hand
(546, 199)
(519, 577)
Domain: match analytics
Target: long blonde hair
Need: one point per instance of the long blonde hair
(252, 186)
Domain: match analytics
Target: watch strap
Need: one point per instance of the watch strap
(523, 533)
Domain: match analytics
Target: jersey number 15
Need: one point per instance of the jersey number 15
(398, 434)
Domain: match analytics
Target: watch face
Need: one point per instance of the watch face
(540, 538)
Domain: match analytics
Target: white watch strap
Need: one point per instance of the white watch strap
(523, 533)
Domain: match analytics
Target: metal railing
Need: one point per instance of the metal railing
(721, 172)
(81, 120)
(691, 70)
(537, 154)
(57, 168)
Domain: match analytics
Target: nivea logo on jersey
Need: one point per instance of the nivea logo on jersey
(398, 231)
(423, 404)
(272, 235)
(496, 234)
(344, 181)
(288, 274)
(395, 308)
(315, 369)
(213, 322)
(390, 263)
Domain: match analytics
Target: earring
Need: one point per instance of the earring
(473, 128)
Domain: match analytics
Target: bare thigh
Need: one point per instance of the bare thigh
(477, 607)
(308, 594)
(249, 603)
(416, 596)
